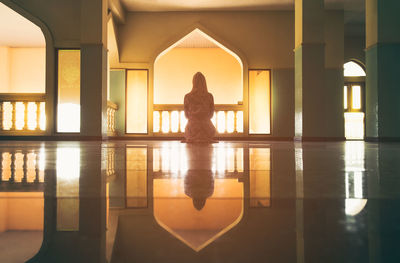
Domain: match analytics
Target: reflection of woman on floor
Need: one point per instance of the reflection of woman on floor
(199, 109)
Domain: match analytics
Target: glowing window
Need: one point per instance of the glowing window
(69, 91)
(345, 97)
(259, 101)
(354, 125)
(352, 69)
(136, 101)
(356, 97)
(230, 122)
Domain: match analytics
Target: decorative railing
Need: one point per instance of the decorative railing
(22, 113)
(170, 119)
(111, 109)
(22, 170)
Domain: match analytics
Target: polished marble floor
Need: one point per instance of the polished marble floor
(164, 201)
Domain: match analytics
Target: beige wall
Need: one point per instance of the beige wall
(266, 39)
(334, 39)
(22, 70)
(173, 73)
(4, 69)
(354, 49)
(21, 211)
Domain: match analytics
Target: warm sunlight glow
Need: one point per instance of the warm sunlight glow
(221, 121)
(174, 121)
(183, 121)
(32, 115)
(354, 125)
(68, 174)
(356, 97)
(174, 69)
(7, 115)
(230, 122)
(165, 121)
(352, 69)
(345, 97)
(19, 115)
(156, 121)
(69, 117)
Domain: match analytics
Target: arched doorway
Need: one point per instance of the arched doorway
(354, 100)
(173, 71)
(23, 100)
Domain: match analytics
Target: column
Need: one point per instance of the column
(94, 68)
(316, 105)
(383, 69)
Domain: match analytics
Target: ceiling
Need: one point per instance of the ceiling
(201, 5)
(354, 10)
(17, 31)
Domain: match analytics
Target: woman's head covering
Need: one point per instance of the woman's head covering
(199, 83)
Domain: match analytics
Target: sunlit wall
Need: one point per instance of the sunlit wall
(173, 73)
(22, 70)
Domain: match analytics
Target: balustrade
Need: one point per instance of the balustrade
(168, 118)
(22, 113)
(111, 110)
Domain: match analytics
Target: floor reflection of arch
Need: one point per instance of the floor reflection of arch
(157, 179)
(175, 212)
(21, 203)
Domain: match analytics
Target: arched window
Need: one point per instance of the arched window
(354, 100)
(353, 69)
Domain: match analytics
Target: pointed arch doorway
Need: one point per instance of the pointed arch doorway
(173, 72)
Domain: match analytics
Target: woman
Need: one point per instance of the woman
(199, 109)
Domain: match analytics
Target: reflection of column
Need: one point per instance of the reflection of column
(298, 152)
(92, 206)
(373, 184)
